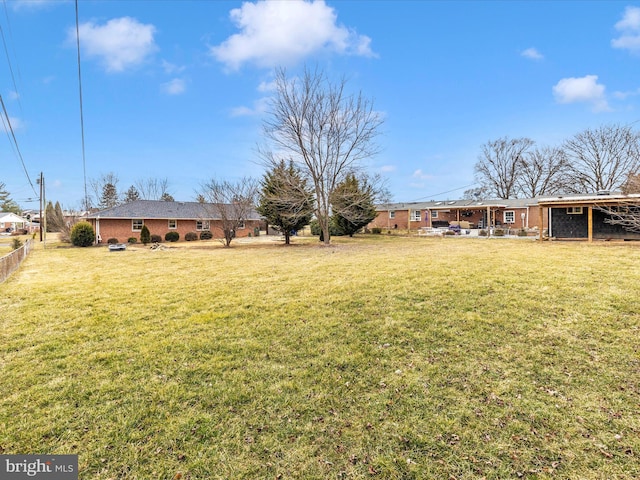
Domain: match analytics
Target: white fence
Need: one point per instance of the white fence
(10, 263)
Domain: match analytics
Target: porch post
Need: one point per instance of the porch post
(590, 224)
(488, 221)
(541, 220)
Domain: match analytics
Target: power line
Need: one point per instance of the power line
(84, 160)
(448, 191)
(15, 141)
(6, 51)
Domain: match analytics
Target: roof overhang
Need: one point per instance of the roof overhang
(590, 201)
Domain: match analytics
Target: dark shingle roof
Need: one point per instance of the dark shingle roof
(148, 209)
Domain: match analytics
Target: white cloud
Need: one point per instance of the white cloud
(176, 86)
(172, 69)
(581, 90)
(267, 87)
(421, 175)
(33, 4)
(629, 28)
(625, 95)
(118, 44)
(532, 53)
(282, 33)
(259, 107)
(16, 124)
(388, 168)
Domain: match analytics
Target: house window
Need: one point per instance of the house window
(202, 225)
(136, 225)
(173, 224)
(416, 215)
(434, 214)
(574, 210)
(392, 214)
(509, 216)
(241, 225)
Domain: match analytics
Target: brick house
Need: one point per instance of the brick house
(125, 221)
(512, 214)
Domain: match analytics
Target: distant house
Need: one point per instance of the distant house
(10, 222)
(585, 217)
(125, 221)
(482, 214)
(580, 217)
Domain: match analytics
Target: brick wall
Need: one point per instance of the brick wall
(445, 217)
(122, 229)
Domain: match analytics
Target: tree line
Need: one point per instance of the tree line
(605, 158)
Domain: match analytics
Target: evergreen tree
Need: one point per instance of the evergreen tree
(131, 195)
(353, 204)
(109, 196)
(6, 203)
(145, 235)
(166, 197)
(55, 218)
(285, 200)
(59, 215)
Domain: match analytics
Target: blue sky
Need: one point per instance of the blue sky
(177, 89)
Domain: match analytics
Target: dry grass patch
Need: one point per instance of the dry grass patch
(376, 357)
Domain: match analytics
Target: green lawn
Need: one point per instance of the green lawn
(378, 357)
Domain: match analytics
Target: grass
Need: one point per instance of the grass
(378, 357)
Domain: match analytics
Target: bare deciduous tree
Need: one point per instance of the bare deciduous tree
(632, 184)
(323, 129)
(542, 172)
(602, 158)
(152, 188)
(626, 215)
(230, 202)
(499, 164)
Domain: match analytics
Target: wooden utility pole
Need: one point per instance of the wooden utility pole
(40, 182)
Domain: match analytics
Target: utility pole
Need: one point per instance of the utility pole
(43, 215)
(44, 200)
(39, 181)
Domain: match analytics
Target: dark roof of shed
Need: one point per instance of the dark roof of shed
(158, 209)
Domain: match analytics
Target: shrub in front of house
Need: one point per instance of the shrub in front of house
(145, 235)
(482, 233)
(191, 236)
(132, 240)
(172, 236)
(522, 232)
(156, 238)
(376, 230)
(450, 233)
(206, 235)
(82, 235)
(498, 232)
(112, 241)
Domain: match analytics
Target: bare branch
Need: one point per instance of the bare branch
(498, 166)
(324, 130)
(230, 202)
(602, 158)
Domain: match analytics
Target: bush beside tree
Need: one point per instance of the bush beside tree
(82, 234)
